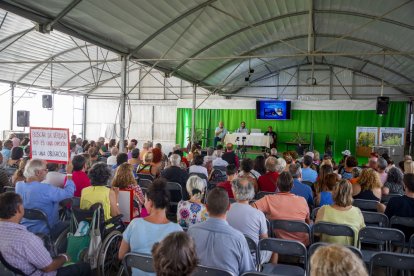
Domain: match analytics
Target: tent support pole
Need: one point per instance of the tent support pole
(124, 95)
(193, 114)
(12, 105)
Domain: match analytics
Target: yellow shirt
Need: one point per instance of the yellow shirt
(352, 217)
(96, 194)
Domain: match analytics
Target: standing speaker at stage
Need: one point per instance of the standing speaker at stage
(272, 134)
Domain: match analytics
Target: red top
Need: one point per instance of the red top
(227, 186)
(267, 182)
(81, 181)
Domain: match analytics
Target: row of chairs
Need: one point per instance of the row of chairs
(292, 248)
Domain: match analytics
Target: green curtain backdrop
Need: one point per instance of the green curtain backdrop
(338, 124)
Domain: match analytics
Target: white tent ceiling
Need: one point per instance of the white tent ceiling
(212, 43)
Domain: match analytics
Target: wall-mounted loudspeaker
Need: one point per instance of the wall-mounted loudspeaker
(382, 105)
(47, 101)
(23, 118)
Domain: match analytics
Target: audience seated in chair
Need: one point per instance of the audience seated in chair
(79, 176)
(142, 233)
(243, 217)
(217, 243)
(231, 172)
(336, 260)
(369, 186)
(99, 175)
(402, 206)
(146, 167)
(111, 161)
(4, 178)
(197, 166)
(308, 174)
(299, 188)
(174, 255)
(394, 183)
(325, 196)
(121, 158)
(246, 171)
(25, 251)
(341, 212)
(218, 161)
(280, 206)
(54, 177)
(124, 180)
(267, 182)
(229, 156)
(45, 197)
(175, 173)
(192, 211)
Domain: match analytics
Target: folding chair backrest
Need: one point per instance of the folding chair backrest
(139, 261)
(406, 221)
(202, 270)
(392, 260)
(175, 188)
(126, 204)
(316, 245)
(314, 213)
(76, 202)
(10, 171)
(255, 274)
(366, 205)
(370, 233)
(411, 243)
(9, 189)
(386, 198)
(261, 194)
(332, 229)
(201, 175)
(375, 219)
(144, 183)
(291, 226)
(36, 214)
(7, 270)
(284, 247)
(308, 183)
(252, 245)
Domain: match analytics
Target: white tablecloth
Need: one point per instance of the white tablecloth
(251, 140)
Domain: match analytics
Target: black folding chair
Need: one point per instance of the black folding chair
(284, 247)
(9, 189)
(292, 226)
(36, 214)
(255, 274)
(253, 250)
(139, 261)
(202, 270)
(411, 243)
(332, 229)
(384, 238)
(366, 205)
(76, 202)
(375, 219)
(314, 213)
(391, 260)
(308, 183)
(176, 193)
(144, 183)
(262, 194)
(386, 198)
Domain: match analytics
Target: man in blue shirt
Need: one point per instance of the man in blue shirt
(218, 244)
(45, 197)
(6, 151)
(219, 133)
(299, 188)
(307, 173)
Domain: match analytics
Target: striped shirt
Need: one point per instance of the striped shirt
(23, 249)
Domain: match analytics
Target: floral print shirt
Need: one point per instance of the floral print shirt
(189, 213)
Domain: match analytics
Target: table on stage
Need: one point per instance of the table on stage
(251, 140)
(305, 144)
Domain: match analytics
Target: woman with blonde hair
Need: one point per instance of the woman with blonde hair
(336, 260)
(342, 212)
(147, 166)
(124, 180)
(369, 186)
(192, 211)
(408, 166)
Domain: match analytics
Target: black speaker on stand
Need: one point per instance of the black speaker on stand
(382, 105)
(47, 101)
(23, 118)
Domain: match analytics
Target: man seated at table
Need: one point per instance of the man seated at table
(242, 128)
(220, 133)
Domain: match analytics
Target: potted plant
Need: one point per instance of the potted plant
(365, 142)
(198, 136)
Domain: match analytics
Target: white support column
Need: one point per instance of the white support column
(331, 82)
(12, 105)
(193, 114)
(84, 119)
(124, 93)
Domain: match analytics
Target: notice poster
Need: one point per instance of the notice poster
(50, 144)
(366, 136)
(391, 136)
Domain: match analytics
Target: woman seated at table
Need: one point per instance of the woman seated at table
(99, 175)
(341, 212)
(142, 233)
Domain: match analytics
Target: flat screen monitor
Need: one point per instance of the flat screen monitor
(273, 110)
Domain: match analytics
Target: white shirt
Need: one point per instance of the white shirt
(219, 162)
(111, 160)
(198, 169)
(57, 179)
